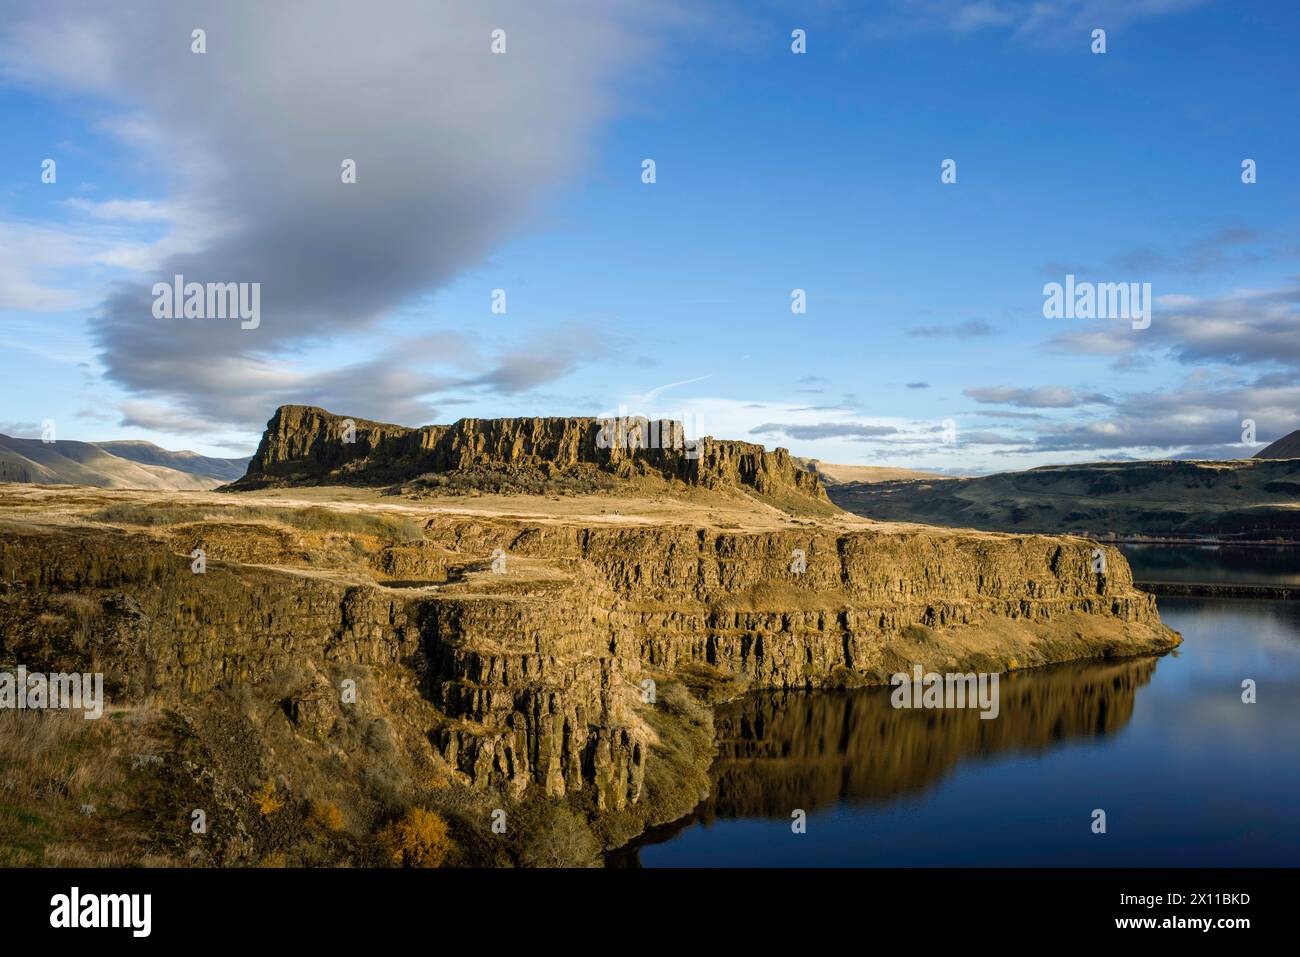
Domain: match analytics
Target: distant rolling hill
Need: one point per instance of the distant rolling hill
(146, 453)
(124, 464)
(1287, 447)
(1254, 499)
(832, 474)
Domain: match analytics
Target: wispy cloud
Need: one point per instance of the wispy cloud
(1031, 20)
(1243, 327)
(824, 430)
(1040, 397)
(970, 329)
(1219, 250)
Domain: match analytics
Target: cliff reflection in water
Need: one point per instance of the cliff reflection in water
(782, 750)
(779, 750)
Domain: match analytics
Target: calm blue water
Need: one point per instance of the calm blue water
(1214, 563)
(1187, 773)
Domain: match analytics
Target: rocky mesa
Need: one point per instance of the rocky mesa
(384, 642)
(305, 445)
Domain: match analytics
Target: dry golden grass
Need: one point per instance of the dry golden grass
(833, 474)
(312, 518)
(59, 776)
(45, 753)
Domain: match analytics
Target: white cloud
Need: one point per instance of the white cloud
(38, 268)
(128, 210)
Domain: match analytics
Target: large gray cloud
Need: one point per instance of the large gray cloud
(454, 147)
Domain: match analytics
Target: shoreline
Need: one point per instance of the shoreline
(1220, 589)
(1204, 542)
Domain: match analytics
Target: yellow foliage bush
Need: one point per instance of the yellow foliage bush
(419, 838)
(266, 800)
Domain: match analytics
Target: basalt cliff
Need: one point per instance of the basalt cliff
(304, 445)
(552, 657)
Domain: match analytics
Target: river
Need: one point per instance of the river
(1185, 771)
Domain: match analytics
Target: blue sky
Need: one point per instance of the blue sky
(924, 343)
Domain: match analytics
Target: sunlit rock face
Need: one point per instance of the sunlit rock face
(307, 445)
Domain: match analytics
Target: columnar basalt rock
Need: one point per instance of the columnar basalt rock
(308, 445)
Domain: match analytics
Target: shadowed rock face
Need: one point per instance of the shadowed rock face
(305, 445)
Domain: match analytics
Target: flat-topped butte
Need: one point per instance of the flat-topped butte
(304, 445)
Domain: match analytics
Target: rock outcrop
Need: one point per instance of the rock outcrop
(304, 445)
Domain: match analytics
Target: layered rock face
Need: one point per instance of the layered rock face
(534, 674)
(517, 689)
(307, 445)
(735, 601)
(536, 696)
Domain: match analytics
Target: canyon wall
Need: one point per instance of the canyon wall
(536, 674)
